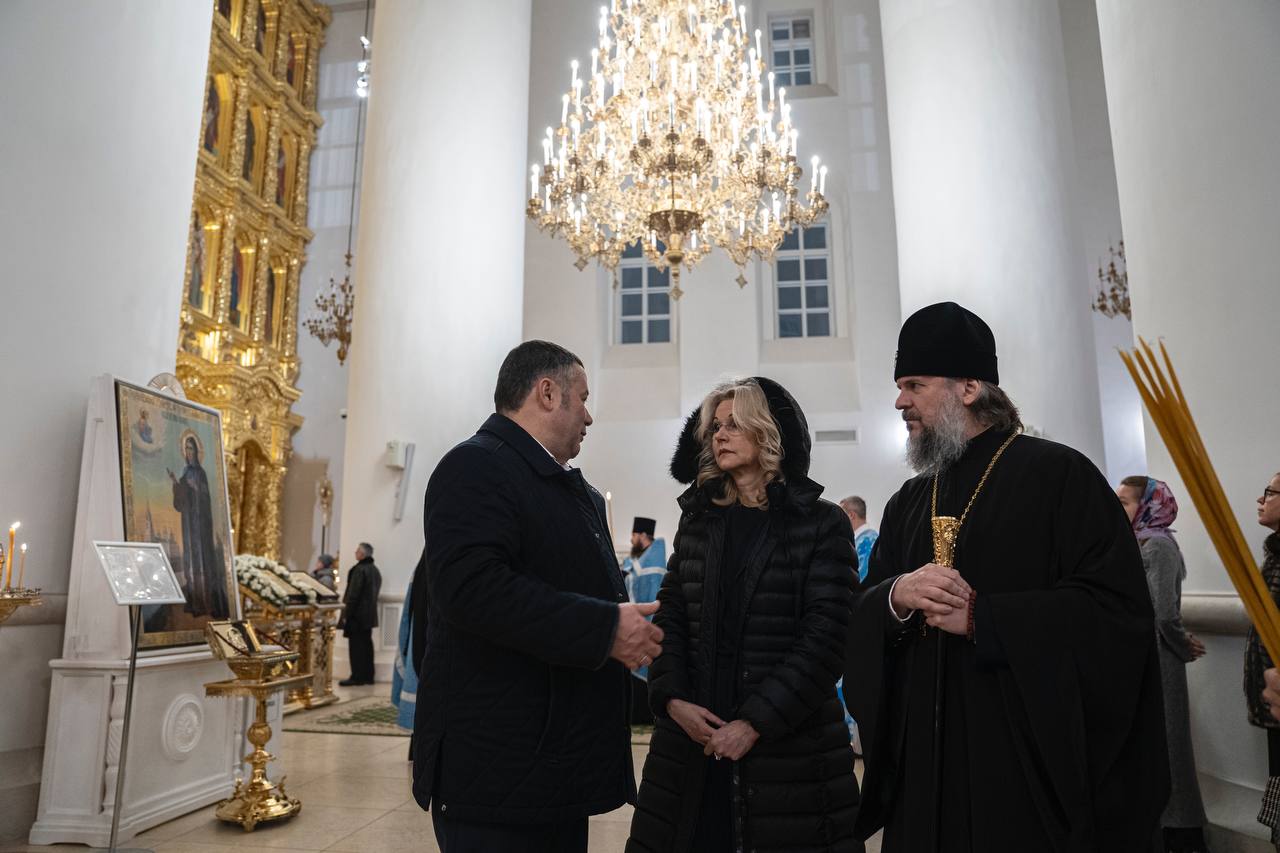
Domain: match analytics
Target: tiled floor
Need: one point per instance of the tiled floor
(356, 799)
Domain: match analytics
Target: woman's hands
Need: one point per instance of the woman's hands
(1196, 645)
(714, 735)
(732, 741)
(698, 723)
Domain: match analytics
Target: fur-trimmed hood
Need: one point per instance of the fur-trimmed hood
(794, 429)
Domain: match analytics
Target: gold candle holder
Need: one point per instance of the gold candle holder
(945, 530)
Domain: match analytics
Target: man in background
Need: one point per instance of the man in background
(864, 535)
(360, 615)
(642, 572)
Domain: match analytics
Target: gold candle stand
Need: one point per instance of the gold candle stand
(258, 800)
(14, 597)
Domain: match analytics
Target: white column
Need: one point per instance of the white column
(97, 162)
(1194, 96)
(440, 253)
(983, 169)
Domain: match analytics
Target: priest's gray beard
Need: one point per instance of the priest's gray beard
(933, 449)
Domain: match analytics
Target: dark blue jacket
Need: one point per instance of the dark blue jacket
(522, 716)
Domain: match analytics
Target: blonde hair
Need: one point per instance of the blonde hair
(751, 414)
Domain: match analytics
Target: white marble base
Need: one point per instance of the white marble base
(184, 748)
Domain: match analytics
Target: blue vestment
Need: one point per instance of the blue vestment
(643, 577)
(404, 677)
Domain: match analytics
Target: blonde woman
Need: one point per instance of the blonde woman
(750, 750)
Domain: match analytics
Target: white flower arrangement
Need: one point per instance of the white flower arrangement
(252, 571)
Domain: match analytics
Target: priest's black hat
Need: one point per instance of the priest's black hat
(946, 339)
(644, 525)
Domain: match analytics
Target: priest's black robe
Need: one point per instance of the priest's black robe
(1052, 735)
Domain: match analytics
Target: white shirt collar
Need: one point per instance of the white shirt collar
(566, 466)
(862, 527)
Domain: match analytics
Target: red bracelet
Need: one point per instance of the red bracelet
(973, 598)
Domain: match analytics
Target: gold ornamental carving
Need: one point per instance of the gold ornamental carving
(237, 345)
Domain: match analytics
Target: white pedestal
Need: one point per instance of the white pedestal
(183, 747)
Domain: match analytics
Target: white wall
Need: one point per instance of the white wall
(97, 166)
(642, 393)
(318, 445)
(1098, 213)
(438, 296)
(984, 174)
(1194, 95)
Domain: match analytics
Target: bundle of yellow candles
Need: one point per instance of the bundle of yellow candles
(1162, 394)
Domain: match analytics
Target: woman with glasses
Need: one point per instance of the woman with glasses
(1152, 508)
(750, 750)
(1256, 661)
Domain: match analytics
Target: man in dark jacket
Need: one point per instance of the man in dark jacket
(521, 729)
(360, 615)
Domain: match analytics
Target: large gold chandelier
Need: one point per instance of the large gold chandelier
(676, 138)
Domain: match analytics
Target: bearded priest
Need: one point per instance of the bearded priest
(1009, 690)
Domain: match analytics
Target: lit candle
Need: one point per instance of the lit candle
(564, 109)
(822, 181)
(813, 177)
(771, 90)
(22, 565)
(533, 182)
(573, 67)
(8, 560)
(595, 54)
(742, 15)
(604, 21)
(758, 53)
(608, 502)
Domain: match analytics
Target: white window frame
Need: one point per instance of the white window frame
(791, 45)
(822, 13)
(801, 254)
(646, 289)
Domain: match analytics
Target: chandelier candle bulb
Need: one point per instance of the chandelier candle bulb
(564, 109)
(595, 52)
(822, 181)
(758, 53)
(771, 90)
(22, 566)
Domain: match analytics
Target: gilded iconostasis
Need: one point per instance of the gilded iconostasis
(237, 349)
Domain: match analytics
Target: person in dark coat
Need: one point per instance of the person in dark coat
(1011, 702)
(360, 615)
(750, 750)
(1264, 712)
(521, 730)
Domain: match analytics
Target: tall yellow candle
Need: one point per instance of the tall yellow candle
(8, 560)
(608, 502)
(22, 565)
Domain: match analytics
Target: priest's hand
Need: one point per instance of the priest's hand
(637, 641)
(732, 741)
(955, 622)
(1196, 645)
(698, 723)
(934, 590)
(1271, 696)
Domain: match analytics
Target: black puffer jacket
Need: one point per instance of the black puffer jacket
(795, 790)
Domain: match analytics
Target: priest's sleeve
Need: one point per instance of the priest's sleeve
(1078, 668)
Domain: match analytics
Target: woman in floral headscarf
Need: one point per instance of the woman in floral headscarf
(1151, 508)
